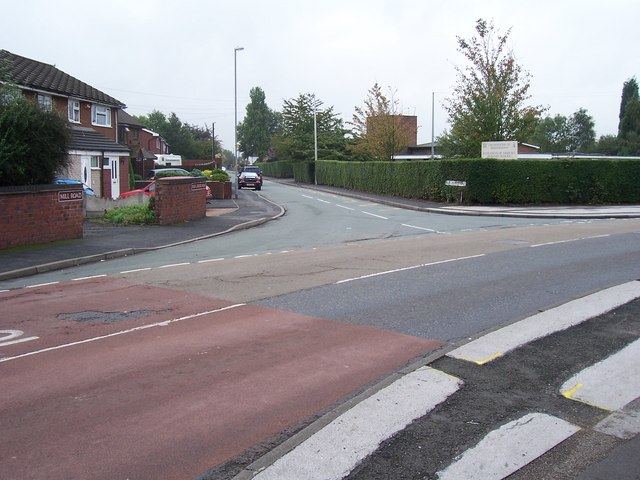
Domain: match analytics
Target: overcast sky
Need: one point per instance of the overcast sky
(178, 55)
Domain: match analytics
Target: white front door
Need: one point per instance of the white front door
(85, 171)
(115, 177)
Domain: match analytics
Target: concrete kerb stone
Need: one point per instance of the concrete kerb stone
(73, 262)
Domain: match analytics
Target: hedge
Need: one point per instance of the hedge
(277, 169)
(489, 181)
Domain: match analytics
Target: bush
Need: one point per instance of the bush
(133, 215)
(171, 174)
(216, 175)
(33, 143)
(279, 169)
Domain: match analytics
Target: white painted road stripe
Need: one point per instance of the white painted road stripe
(174, 265)
(609, 384)
(346, 208)
(374, 215)
(419, 228)
(136, 270)
(510, 448)
(407, 268)
(495, 344)
(332, 452)
(122, 332)
(87, 278)
(568, 241)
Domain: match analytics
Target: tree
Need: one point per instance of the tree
(378, 129)
(295, 142)
(581, 131)
(33, 143)
(490, 95)
(629, 126)
(255, 132)
(560, 134)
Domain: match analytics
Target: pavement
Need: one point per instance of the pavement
(105, 241)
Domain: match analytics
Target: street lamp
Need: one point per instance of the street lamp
(235, 99)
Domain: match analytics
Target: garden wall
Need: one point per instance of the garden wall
(179, 199)
(40, 214)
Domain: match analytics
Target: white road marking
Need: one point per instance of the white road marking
(323, 201)
(136, 270)
(609, 384)
(211, 260)
(624, 424)
(41, 285)
(408, 268)
(307, 196)
(420, 228)
(346, 208)
(122, 332)
(12, 337)
(87, 278)
(332, 452)
(510, 447)
(495, 344)
(374, 215)
(568, 241)
(174, 265)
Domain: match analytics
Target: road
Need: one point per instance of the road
(201, 358)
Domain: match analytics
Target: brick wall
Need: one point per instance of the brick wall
(179, 199)
(39, 214)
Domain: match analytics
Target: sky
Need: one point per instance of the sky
(178, 55)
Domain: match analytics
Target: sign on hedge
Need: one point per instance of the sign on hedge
(506, 150)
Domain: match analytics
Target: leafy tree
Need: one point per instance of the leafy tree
(490, 95)
(607, 145)
(378, 130)
(33, 142)
(629, 126)
(560, 134)
(255, 132)
(190, 141)
(295, 142)
(581, 131)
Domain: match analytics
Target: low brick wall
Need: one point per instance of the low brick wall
(179, 199)
(39, 214)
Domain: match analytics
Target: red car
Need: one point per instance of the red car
(150, 190)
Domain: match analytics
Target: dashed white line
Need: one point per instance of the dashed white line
(408, 268)
(174, 265)
(420, 228)
(558, 242)
(346, 208)
(211, 260)
(136, 270)
(87, 278)
(41, 285)
(323, 201)
(374, 215)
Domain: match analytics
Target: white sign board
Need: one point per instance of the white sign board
(455, 183)
(500, 150)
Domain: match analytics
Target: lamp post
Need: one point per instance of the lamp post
(235, 100)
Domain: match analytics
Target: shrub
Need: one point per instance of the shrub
(133, 215)
(216, 175)
(33, 143)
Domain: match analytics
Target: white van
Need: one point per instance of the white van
(168, 160)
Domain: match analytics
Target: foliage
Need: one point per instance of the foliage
(560, 134)
(378, 130)
(279, 169)
(295, 142)
(490, 181)
(259, 125)
(216, 175)
(171, 174)
(190, 141)
(629, 126)
(132, 215)
(33, 142)
(490, 95)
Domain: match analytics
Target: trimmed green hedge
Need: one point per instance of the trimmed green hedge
(277, 169)
(489, 181)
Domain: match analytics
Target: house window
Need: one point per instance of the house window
(45, 102)
(135, 134)
(95, 161)
(74, 111)
(101, 116)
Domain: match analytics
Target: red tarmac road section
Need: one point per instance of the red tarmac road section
(140, 399)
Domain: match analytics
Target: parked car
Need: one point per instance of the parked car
(150, 190)
(250, 179)
(67, 181)
(179, 172)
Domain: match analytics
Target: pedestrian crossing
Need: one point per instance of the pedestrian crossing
(611, 386)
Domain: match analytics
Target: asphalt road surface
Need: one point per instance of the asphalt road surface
(197, 360)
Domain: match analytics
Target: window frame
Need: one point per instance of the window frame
(44, 102)
(103, 111)
(73, 107)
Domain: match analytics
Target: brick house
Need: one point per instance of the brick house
(96, 157)
(142, 142)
